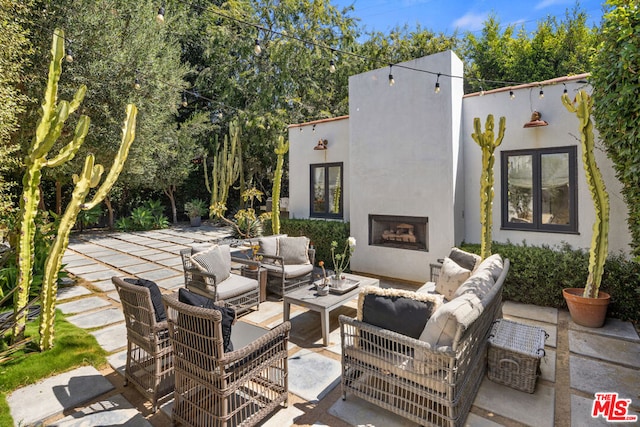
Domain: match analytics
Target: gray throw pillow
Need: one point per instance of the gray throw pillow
(216, 261)
(294, 250)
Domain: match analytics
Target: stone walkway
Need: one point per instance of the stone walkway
(578, 363)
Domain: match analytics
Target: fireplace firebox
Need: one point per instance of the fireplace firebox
(401, 232)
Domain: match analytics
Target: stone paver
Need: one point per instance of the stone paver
(613, 350)
(171, 283)
(56, 394)
(591, 376)
(86, 268)
(121, 260)
(118, 361)
(82, 305)
(139, 268)
(72, 292)
(97, 319)
(613, 328)
(112, 338)
(528, 311)
(159, 273)
(358, 412)
(312, 375)
(104, 285)
(100, 275)
(535, 409)
(159, 256)
(114, 411)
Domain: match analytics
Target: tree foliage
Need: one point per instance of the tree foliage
(616, 83)
(556, 48)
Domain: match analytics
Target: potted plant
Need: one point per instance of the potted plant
(588, 306)
(341, 260)
(195, 209)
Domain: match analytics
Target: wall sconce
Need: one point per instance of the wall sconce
(322, 144)
(536, 121)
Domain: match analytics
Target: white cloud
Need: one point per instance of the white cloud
(471, 21)
(548, 3)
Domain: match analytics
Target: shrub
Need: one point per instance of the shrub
(149, 216)
(539, 273)
(321, 233)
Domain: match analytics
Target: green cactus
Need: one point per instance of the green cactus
(226, 167)
(280, 150)
(89, 178)
(581, 107)
(336, 196)
(488, 145)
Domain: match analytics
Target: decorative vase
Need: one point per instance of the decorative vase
(337, 281)
(196, 221)
(323, 287)
(589, 312)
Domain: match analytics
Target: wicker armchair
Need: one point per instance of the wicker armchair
(284, 276)
(149, 363)
(239, 292)
(214, 388)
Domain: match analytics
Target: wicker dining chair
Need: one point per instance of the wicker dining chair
(213, 388)
(149, 363)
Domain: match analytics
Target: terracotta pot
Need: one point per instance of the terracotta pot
(589, 312)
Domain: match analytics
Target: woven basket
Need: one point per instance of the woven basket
(514, 354)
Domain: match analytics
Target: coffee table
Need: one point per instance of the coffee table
(307, 297)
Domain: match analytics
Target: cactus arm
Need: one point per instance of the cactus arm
(280, 151)
(69, 151)
(128, 136)
(206, 174)
(53, 262)
(77, 99)
(487, 144)
(600, 237)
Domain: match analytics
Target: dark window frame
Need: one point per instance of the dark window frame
(537, 225)
(327, 213)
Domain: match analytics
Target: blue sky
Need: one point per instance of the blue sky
(465, 15)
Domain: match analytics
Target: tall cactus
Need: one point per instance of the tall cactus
(280, 150)
(88, 179)
(49, 127)
(226, 167)
(581, 107)
(488, 145)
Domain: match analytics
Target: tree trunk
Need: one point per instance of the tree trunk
(170, 192)
(58, 197)
(107, 202)
(41, 205)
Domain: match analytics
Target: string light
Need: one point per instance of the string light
(565, 91)
(391, 80)
(437, 87)
(69, 55)
(160, 15)
(313, 129)
(541, 95)
(184, 99)
(512, 95)
(481, 91)
(332, 66)
(256, 47)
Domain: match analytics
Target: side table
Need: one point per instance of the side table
(260, 274)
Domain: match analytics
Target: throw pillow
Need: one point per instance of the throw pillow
(465, 259)
(228, 314)
(451, 277)
(156, 296)
(269, 245)
(216, 261)
(397, 310)
(294, 250)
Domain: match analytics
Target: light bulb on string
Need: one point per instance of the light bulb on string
(512, 95)
(332, 66)
(69, 55)
(391, 80)
(136, 84)
(256, 48)
(160, 15)
(437, 87)
(541, 94)
(184, 99)
(565, 91)
(481, 91)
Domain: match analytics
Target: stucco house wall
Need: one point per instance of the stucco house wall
(302, 139)
(408, 151)
(561, 131)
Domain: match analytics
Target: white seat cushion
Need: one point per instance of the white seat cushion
(235, 285)
(290, 271)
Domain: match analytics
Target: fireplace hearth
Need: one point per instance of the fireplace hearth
(399, 232)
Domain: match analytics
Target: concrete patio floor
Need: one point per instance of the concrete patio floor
(579, 361)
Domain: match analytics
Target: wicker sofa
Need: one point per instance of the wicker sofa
(431, 379)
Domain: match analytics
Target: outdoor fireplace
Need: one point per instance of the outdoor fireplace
(401, 232)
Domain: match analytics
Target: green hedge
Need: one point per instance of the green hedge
(539, 273)
(321, 233)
